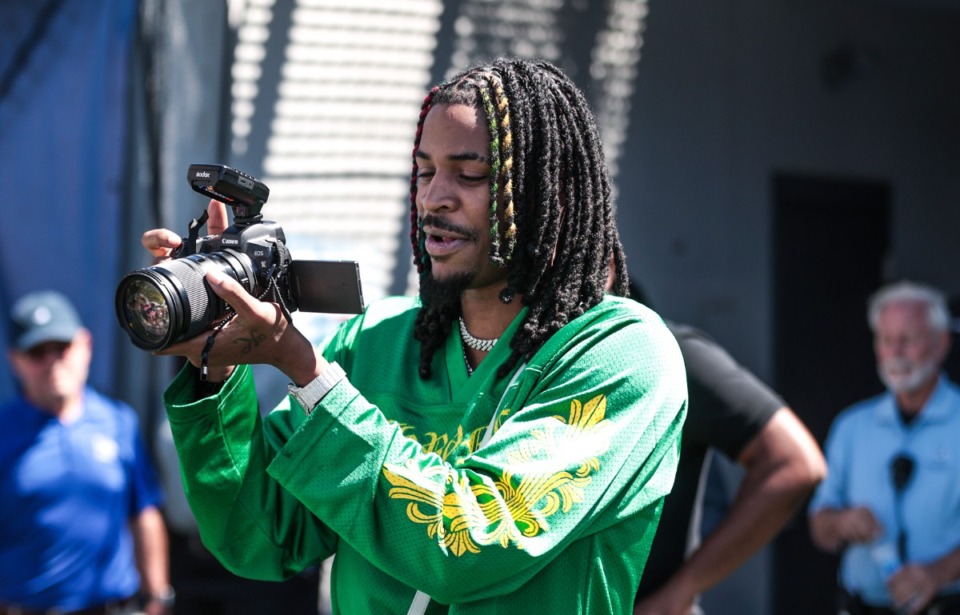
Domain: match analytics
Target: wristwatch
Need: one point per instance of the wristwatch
(310, 395)
(167, 597)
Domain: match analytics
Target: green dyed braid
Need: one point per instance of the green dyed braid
(496, 255)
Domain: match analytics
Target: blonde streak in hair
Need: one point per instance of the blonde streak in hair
(503, 114)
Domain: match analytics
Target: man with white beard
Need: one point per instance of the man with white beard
(891, 499)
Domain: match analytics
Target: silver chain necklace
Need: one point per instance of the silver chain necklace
(475, 342)
(466, 362)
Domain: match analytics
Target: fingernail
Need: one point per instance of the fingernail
(215, 277)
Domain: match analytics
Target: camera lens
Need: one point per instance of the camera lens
(170, 302)
(145, 310)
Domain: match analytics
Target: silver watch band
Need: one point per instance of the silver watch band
(309, 396)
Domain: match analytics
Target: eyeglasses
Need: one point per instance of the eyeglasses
(41, 351)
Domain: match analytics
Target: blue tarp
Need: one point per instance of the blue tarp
(63, 146)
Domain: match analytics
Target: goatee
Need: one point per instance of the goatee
(439, 294)
(905, 376)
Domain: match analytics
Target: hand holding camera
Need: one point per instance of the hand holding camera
(200, 284)
(253, 335)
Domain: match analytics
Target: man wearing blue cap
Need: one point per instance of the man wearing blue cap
(80, 527)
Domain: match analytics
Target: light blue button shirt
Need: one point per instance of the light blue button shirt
(862, 443)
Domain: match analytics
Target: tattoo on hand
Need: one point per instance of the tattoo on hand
(249, 342)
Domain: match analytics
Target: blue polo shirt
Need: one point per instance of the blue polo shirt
(861, 445)
(67, 494)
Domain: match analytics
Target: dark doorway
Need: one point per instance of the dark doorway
(830, 244)
(952, 364)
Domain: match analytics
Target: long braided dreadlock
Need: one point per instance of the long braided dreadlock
(551, 209)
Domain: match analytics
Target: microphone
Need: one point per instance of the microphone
(901, 471)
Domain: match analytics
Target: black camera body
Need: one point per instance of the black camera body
(170, 302)
(262, 246)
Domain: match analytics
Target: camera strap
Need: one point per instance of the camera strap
(281, 261)
(205, 353)
(189, 246)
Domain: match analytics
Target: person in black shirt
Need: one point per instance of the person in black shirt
(732, 411)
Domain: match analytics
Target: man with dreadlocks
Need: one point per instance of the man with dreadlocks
(500, 444)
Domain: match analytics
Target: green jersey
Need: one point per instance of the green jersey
(538, 492)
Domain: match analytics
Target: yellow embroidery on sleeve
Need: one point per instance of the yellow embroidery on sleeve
(503, 510)
(443, 444)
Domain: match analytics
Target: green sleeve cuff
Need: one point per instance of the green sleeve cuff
(181, 398)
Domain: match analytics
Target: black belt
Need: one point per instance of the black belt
(114, 607)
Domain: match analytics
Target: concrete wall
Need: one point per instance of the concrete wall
(730, 92)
